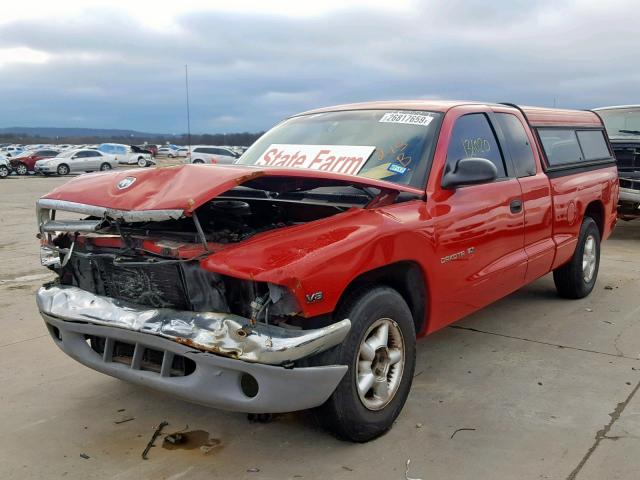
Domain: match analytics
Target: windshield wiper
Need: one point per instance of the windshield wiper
(631, 132)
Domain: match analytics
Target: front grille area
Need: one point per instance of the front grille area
(177, 285)
(139, 357)
(158, 285)
(627, 156)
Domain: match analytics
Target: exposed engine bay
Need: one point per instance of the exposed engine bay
(157, 264)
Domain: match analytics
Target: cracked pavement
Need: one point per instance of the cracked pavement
(534, 387)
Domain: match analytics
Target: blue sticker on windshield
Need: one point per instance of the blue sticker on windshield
(397, 168)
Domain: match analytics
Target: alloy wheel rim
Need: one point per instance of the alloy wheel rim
(4, 172)
(589, 258)
(381, 359)
(22, 170)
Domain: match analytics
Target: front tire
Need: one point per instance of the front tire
(142, 162)
(104, 167)
(4, 171)
(22, 169)
(577, 278)
(380, 353)
(197, 161)
(63, 169)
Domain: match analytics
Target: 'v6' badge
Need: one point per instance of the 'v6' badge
(314, 297)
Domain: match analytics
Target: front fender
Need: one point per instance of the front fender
(326, 255)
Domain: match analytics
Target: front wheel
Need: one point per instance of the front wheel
(104, 167)
(380, 353)
(63, 169)
(142, 162)
(4, 171)
(22, 169)
(577, 278)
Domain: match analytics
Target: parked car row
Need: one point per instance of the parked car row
(65, 159)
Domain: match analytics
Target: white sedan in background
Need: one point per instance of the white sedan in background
(4, 167)
(211, 154)
(168, 151)
(80, 160)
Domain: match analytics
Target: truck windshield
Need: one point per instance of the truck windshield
(386, 145)
(622, 123)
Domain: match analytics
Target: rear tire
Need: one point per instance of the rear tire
(372, 393)
(22, 169)
(577, 278)
(63, 169)
(104, 167)
(197, 161)
(4, 171)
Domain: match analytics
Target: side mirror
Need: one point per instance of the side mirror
(470, 171)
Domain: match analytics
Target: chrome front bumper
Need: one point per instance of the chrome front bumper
(629, 195)
(220, 333)
(222, 358)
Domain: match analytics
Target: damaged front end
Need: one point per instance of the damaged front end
(152, 286)
(132, 299)
(142, 271)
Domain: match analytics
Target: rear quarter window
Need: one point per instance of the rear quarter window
(517, 144)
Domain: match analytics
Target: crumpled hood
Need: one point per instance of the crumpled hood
(186, 187)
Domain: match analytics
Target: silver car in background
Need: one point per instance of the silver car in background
(75, 161)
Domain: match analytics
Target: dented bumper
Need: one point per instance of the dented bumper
(220, 333)
(222, 360)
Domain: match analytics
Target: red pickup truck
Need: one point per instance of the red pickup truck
(301, 276)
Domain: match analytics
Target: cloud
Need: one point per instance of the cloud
(248, 69)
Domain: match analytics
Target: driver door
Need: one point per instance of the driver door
(479, 229)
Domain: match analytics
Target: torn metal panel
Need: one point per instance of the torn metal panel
(221, 333)
(47, 204)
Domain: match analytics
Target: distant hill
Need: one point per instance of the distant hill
(77, 136)
(52, 132)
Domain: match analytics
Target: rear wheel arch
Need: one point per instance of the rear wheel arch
(595, 210)
(406, 277)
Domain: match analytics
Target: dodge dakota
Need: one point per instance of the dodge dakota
(301, 276)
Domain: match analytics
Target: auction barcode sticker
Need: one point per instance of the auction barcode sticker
(407, 118)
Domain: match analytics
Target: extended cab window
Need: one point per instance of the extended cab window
(593, 144)
(473, 137)
(518, 144)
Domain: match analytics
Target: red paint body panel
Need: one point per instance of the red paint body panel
(471, 248)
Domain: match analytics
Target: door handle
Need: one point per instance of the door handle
(516, 205)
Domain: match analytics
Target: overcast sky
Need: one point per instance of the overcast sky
(80, 63)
